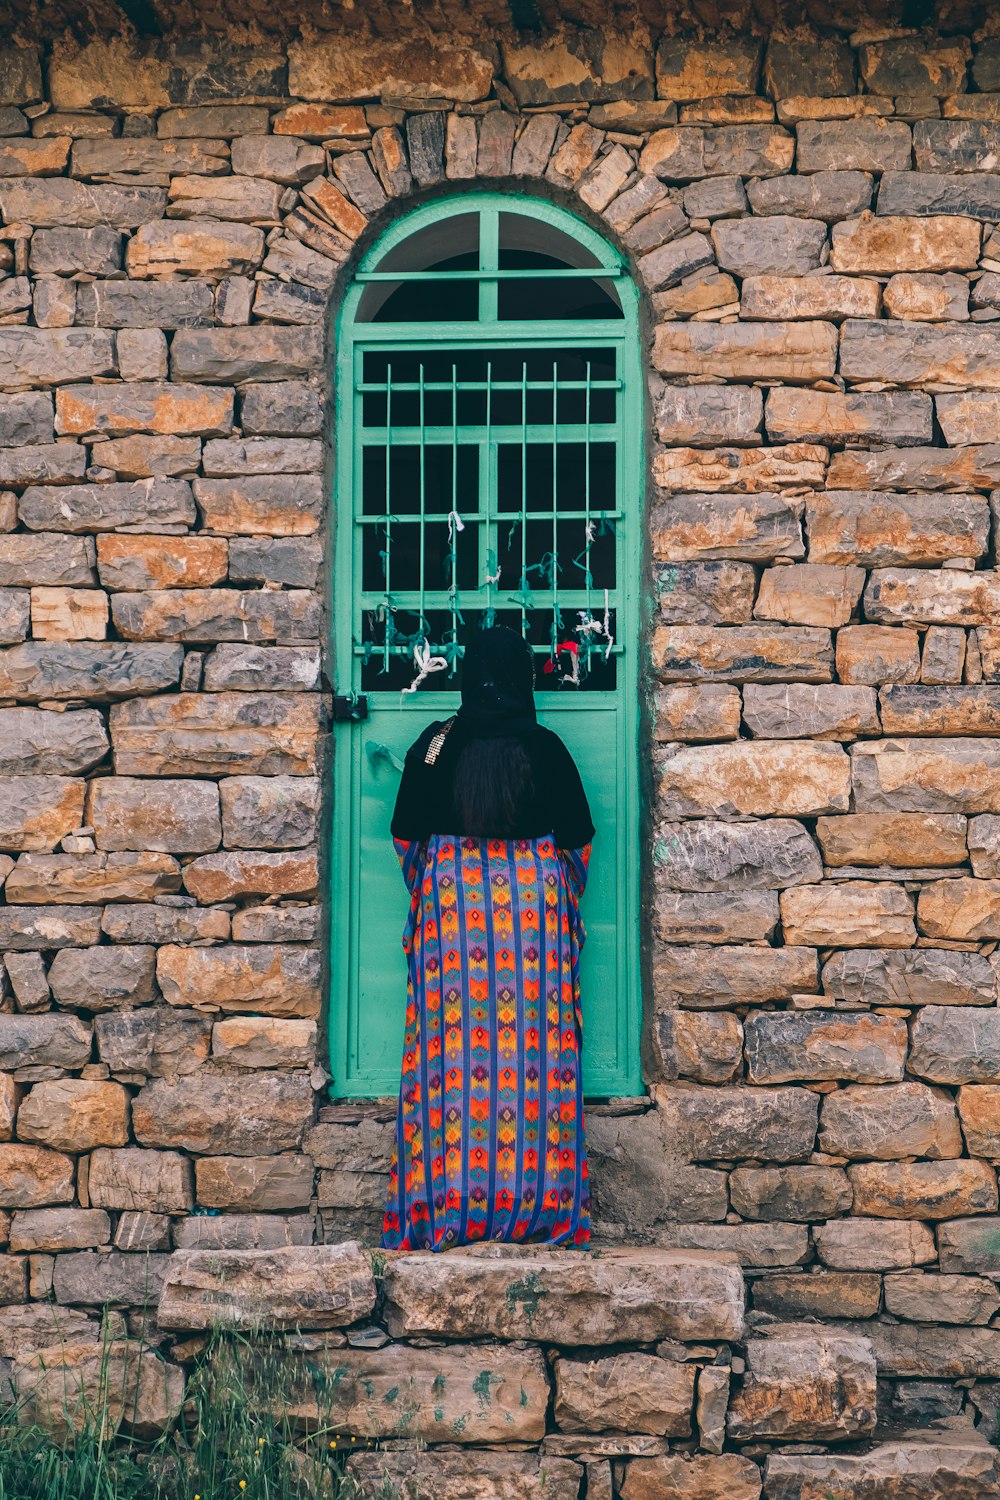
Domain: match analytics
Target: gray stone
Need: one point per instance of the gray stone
(976, 195)
(215, 734)
(57, 1229)
(324, 1286)
(742, 653)
(102, 507)
(700, 917)
(795, 415)
(25, 419)
(920, 1298)
(821, 1294)
(50, 1040)
(925, 976)
(359, 182)
(654, 229)
(127, 304)
(951, 1465)
(703, 1045)
(61, 202)
(805, 1388)
(64, 252)
(276, 924)
(704, 415)
(131, 1180)
(15, 616)
(26, 972)
(425, 143)
(275, 505)
(36, 812)
(705, 593)
(28, 927)
(173, 817)
(209, 615)
(715, 198)
(871, 145)
(54, 559)
(104, 978)
(940, 354)
(76, 669)
(929, 1352)
(723, 151)
(829, 195)
(639, 1392)
(288, 302)
(693, 712)
(726, 1124)
(777, 245)
(52, 356)
(796, 351)
(823, 711)
(717, 977)
(760, 1246)
(889, 1123)
(295, 562)
(20, 75)
(210, 1112)
(710, 856)
(801, 1193)
(956, 1044)
(289, 408)
(49, 463)
(263, 352)
(243, 1231)
(815, 1045)
(244, 1183)
(158, 1043)
(822, 69)
(753, 528)
(109, 1278)
(933, 66)
(262, 668)
(143, 923)
(955, 145)
(269, 812)
(261, 455)
(669, 264)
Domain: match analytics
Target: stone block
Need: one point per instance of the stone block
(276, 924)
(922, 1469)
(715, 198)
(157, 1043)
(970, 1245)
(169, 816)
(670, 263)
(191, 734)
(122, 304)
(226, 876)
(976, 196)
(242, 1231)
(942, 775)
(963, 910)
(277, 980)
(877, 530)
(890, 1123)
(263, 352)
(714, 856)
(824, 68)
(33, 1177)
(915, 65)
(103, 978)
(820, 195)
(822, 1295)
(711, 917)
(773, 297)
(699, 1477)
(690, 152)
(743, 469)
(26, 973)
(927, 298)
(959, 357)
(274, 505)
(778, 245)
(705, 1046)
(979, 1110)
(52, 356)
(916, 468)
(799, 352)
(294, 1288)
(714, 978)
(26, 419)
(903, 839)
(240, 1184)
(694, 527)
(59, 614)
(949, 597)
(638, 1392)
(693, 713)
(559, 1296)
(193, 247)
(865, 145)
(62, 252)
(726, 1124)
(208, 615)
(743, 653)
(97, 507)
(144, 406)
(828, 711)
(213, 1112)
(56, 1229)
(758, 778)
(687, 69)
(801, 1193)
(36, 812)
(855, 914)
(923, 1189)
(33, 927)
(816, 1045)
(968, 416)
(110, 1277)
(53, 558)
(268, 669)
(805, 1388)
(984, 845)
(74, 1115)
(500, 1475)
(83, 878)
(704, 593)
(848, 417)
(50, 1040)
(926, 976)
(34, 742)
(142, 562)
(920, 1298)
(55, 463)
(809, 594)
(61, 203)
(705, 415)
(873, 1244)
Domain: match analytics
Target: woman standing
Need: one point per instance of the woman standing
(493, 832)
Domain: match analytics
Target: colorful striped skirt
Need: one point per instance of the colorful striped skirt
(489, 1133)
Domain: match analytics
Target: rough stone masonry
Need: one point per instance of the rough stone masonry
(799, 1290)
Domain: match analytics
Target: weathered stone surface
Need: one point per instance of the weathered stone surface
(702, 1477)
(226, 876)
(950, 1465)
(809, 594)
(59, 614)
(319, 1287)
(194, 247)
(279, 980)
(42, 464)
(25, 419)
(916, 468)
(777, 245)
(966, 357)
(827, 711)
(752, 527)
(742, 351)
(276, 505)
(712, 917)
(866, 145)
(274, 669)
(923, 1189)
(60, 202)
(490, 1476)
(801, 1193)
(144, 923)
(103, 978)
(905, 1120)
(154, 1181)
(742, 653)
(57, 1229)
(704, 593)
(294, 561)
(927, 298)
(157, 1043)
(856, 914)
(712, 856)
(805, 1388)
(964, 909)
(848, 417)
(639, 1393)
(931, 775)
(758, 778)
(98, 507)
(54, 1040)
(210, 1112)
(773, 297)
(26, 972)
(706, 712)
(926, 976)
(904, 839)
(325, 69)
(876, 530)
(984, 845)
(859, 1244)
(979, 1110)
(968, 416)
(37, 811)
(704, 1046)
(82, 878)
(33, 927)
(242, 1231)
(276, 924)
(31, 1176)
(920, 1298)
(264, 352)
(719, 977)
(623, 1295)
(728, 150)
(970, 1245)
(34, 742)
(822, 1294)
(787, 1046)
(60, 1387)
(143, 406)
(176, 817)
(51, 559)
(191, 734)
(744, 469)
(244, 1184)
(884, 244)
(52, 356)
(122, 1280)
(948, 597)
(62, 252)
(723, 1124)
(202, 615)
(709, 414)
(74, 1115)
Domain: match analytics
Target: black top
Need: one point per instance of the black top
(554, 803)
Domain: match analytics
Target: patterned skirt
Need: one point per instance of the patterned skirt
(489, 1132)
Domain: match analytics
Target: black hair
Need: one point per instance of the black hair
(492, 779)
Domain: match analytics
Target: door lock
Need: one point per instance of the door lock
(349, 708)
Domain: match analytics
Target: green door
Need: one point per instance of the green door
(489, 461)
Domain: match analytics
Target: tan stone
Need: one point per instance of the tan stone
(54, 1229)
(36, 812)
(217, 734)
(966, 909)
(194, 247)
(901, 839)
(754, 527)
(741, 653)
(817, 1045)
(936, 775)
(60, 1388)
(74, 1114)
(758, 778)
(688, 711)
(147, 457)
(153, 1181)
(802, 1193)
(630, 1392)
(830, 298)
(704, 1045)
(69, 614)
(927, 299)
(923, 1189)
(160, 407)
(165, 815)
(744, 351)
(940, 1299)
(875, 654)
(805, 1388)
(223, 877)
(889, 1123)
(324, 69)
(276, 979)
(320, 122)
(922, 596)
(489, 1476)
(320, 1286)
(8, 1106)
(884, 244)
(909, 1469)
(870, 528)
(265, 1042)
(855, 914)
(680, 1477)
(821, 1294)
(979, 1110)
(213, 1110)
(859, 1244)
(31, 1177)
(809, 594)
(83, 878)
(246, 1184)
(565, 1297)
(156, 562)
(742, 469)
(798, 413)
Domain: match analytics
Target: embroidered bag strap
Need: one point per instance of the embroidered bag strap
(437, 743)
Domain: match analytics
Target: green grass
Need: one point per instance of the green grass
(226, 1444)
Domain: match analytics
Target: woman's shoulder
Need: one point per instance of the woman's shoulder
(418, 749)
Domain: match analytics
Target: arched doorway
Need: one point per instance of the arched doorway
(489, 462)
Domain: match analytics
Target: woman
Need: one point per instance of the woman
(493, 831)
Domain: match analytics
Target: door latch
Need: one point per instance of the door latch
(349, 708)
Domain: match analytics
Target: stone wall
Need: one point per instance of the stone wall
(815, 225)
